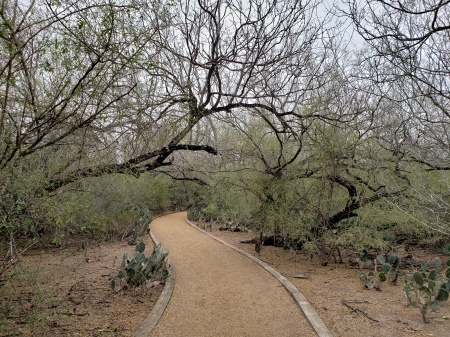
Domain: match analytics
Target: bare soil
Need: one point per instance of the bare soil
(377, 313)
(57, 293)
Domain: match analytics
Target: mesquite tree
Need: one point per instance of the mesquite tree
(406, 65)
(90, 88)
(140, 76)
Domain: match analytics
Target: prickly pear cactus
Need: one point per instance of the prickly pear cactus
(374, 279)
(139, 269)
(427, 290)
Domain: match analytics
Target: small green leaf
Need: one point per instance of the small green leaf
(442, 295)
(139, 257)
(433, 275)
(408, 279)
(431, 285)
(130, 273)
(113, 284)
(447, 273)
(437, 263)
(381, 259)
(369, 285)
(382, 277)
(140, 247)
(393, 260)
(418, 278)
(407, 289)
(124, 259)
(407, 292)
(448, 263)
(386, 268)
(363, 255)
(363, 277)
(423, 266)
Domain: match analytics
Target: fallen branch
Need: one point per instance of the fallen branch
(356, 309)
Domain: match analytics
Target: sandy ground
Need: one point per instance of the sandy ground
(57, 293)
(379, 313)
(219, 292)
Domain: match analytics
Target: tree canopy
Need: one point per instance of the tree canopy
(263, 104)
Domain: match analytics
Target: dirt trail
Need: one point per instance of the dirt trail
(219, 292)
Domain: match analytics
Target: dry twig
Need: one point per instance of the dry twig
(356, 309)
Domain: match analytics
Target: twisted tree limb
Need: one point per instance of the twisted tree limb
(134, 166)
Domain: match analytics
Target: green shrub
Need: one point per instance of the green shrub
(140, 226)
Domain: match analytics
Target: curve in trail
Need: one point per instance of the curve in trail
(219, 292)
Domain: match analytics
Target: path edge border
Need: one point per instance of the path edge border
(308, 311)
(161, 304)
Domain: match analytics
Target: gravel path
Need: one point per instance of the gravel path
(219, 292)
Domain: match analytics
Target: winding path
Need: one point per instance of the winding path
(219, 292)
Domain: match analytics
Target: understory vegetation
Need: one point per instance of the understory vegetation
(267, 115)
(340, 193)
